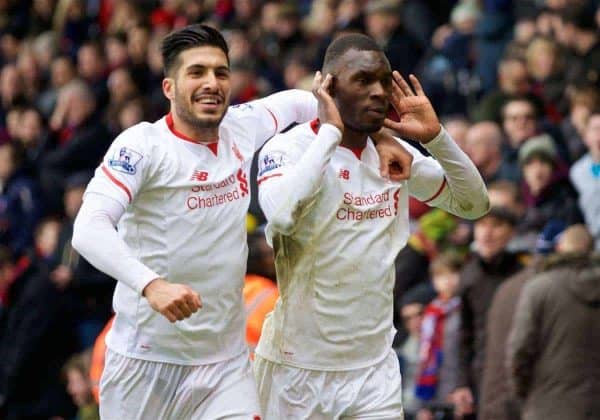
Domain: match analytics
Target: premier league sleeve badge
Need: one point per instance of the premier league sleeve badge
(125, 160)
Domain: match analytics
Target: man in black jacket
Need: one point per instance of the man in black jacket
(489, 266)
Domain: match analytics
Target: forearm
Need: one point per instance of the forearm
(95, 238)
(465, 194)
(282, 197)
(290, 106)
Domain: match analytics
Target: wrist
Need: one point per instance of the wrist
(435, 135)
(152, 284)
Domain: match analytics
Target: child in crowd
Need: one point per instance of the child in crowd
(438, 350)
(79, 387)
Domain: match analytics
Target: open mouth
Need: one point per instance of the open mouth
(208, 101)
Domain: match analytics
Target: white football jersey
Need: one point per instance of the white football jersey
(186, 205)
(335, 262)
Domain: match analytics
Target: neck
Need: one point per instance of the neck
(595, 156)
(197, 134)
(353, 139)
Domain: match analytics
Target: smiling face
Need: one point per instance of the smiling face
(362, 83)
(199, 87)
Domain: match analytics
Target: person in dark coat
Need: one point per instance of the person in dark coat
(36, 338)
(547, 192)
(497, 401)
(490, 265)
(554, 345)
(82, 138)
(19, 200)
(90, 289)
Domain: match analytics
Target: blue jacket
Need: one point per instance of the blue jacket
(19, 213)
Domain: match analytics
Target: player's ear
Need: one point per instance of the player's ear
(333, 85)
(168, 87)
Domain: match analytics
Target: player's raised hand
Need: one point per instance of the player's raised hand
(174, 301)
(395, 161)
(418, 120)
(327, 110)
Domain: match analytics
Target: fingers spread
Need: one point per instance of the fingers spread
(404, 87)
(417, 85)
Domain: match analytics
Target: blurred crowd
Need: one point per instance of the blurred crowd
(489, 314)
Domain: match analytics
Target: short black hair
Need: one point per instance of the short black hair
(343, 43)
(191, 36)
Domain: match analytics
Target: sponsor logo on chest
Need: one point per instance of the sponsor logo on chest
(377, 205)
(213, 194)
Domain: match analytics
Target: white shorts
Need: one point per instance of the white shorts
(292, 393)
(133, 389)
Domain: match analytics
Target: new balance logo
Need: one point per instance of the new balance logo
(199, 176)
(344, 174)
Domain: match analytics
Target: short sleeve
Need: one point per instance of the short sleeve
(124, 167)
(427, 179)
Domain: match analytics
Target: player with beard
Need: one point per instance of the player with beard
(336, 227)
(178, 191)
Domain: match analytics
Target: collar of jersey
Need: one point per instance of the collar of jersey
(171, 124)
(357, 151)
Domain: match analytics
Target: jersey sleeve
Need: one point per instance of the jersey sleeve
(450, 181)
(272, 114)
(288, 181)
(124, 168)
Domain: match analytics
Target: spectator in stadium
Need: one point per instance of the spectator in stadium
(11, 89)
(457, 126)
(33, 134)
(36, 340)
(552, 352)
(547, 192)
(82, 140)
(483, 144)
(583, 100)
(580, 34)
(513, 80)
(497, 400)
(382, 23)
(545, 66)
(132, 112)
(489, 266)
(90, 289)
(440, 333)
(92, 67)
(411, 312)
(121, 89)
(62, 71)
(20, 204)
(585, 176)
(79, 387)
(431, 235)
(519, 123)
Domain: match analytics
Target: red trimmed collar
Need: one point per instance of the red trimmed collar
(171, 124)
(315, 124)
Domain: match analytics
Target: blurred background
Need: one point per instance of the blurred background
(515, 83)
